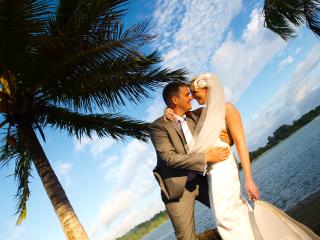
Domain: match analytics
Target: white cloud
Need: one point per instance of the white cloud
(62, 171)
(285, 62)
(190, 31)
(297, 97)
(134, 180)
(155, 109)
(81, 144)
(107, 162)
(63, 168)
(297, 51)
(289, 59)
(113, 208)
(95, 144)
(134, 157)
(238, 62)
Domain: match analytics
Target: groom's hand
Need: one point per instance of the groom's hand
(226, 137)
(217, 154)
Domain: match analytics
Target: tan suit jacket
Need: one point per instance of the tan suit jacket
(173, 160)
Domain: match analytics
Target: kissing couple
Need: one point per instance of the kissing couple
(195, 162)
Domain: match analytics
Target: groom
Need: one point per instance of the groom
(179, 174)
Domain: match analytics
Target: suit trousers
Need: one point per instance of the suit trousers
(181, 211)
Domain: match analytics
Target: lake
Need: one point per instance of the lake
(286, 174)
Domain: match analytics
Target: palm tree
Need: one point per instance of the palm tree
(281, 16)
(69, 67)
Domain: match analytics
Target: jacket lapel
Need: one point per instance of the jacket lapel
(191, 124)
(178, 130)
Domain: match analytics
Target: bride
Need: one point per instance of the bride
(235, 218)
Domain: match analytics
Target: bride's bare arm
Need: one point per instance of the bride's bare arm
(169, 114)
(234, 123)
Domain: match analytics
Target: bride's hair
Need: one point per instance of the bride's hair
(201, 81)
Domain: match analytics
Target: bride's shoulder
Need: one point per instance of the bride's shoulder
(231, 109)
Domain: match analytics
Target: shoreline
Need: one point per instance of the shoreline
(306, 212)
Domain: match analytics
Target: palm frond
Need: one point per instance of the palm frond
(312, 13)
(104, 125)
(20, 22)
(110, 85)
(281, 16)
(80, 17)
(7, 152)
(22, 172)
(62, 57)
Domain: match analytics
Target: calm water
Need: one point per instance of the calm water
(286, 175)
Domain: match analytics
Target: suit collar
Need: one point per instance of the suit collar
(182, 118)
(191, 124)
(176, 126)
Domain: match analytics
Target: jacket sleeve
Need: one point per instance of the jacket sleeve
(166, 151)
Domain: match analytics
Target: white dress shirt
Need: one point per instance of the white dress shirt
(182, 122)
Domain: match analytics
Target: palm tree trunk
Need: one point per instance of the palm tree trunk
(67, 217)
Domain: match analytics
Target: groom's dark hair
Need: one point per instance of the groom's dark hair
(170, 90)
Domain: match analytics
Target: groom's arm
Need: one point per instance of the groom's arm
(167, 152)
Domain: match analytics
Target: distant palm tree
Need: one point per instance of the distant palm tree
(282, 15)
(66, 67)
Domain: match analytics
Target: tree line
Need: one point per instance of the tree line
(285, 131)
(146, 227)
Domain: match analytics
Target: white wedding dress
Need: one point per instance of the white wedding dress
(235, 218)
(230, 209)
(275, 224)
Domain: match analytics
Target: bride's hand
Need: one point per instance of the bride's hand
(252, 190)
(224, 136)
(169, 115)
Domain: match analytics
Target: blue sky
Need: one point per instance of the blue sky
(110, 184)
